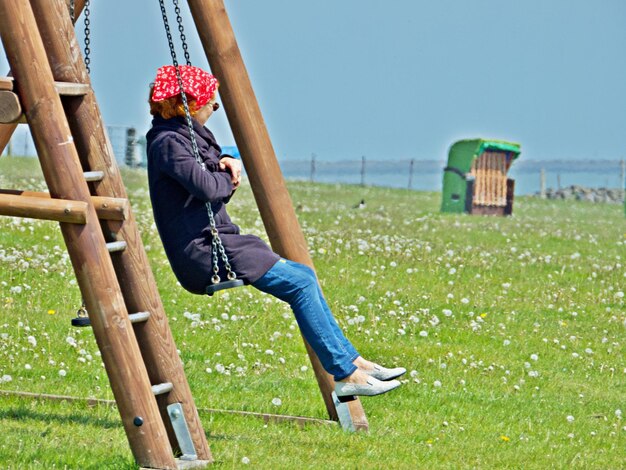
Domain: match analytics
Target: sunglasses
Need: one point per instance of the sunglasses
(216, 106)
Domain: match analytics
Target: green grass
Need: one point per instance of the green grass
(508, 326)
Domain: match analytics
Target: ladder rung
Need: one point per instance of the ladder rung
(93, 175)
(116, 246)
(160, 389)
(62, 88)
(71, 89)
(139, 317)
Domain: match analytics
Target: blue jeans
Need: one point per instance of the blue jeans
(297, 285)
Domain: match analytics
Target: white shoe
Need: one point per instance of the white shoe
(382, 373)
(347, 391)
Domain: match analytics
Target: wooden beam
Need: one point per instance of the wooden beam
(257, 153)
(10, 108)
(62, 88)
(61, 210)
(107, 208)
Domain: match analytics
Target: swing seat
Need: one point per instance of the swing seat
(81, 321)
(213, 288)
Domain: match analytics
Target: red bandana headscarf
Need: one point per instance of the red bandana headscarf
(196, 83)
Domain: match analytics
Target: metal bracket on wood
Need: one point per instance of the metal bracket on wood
(343, 412)
(183, 436)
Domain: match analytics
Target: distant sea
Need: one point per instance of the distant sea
(427, 175)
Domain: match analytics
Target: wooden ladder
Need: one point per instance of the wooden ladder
(89, 200)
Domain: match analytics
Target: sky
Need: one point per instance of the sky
(391, 80)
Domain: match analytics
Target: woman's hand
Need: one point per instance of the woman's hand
(232, 166)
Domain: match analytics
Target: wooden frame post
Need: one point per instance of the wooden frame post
(255, 147)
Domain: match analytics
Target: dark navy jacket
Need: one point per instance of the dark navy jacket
(179, 189)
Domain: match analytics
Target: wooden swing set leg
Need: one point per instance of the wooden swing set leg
(257, 153)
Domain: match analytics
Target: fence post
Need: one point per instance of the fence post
(411, 173)
(131, 148)
(363, 171)
(313, 156)
(542, 183)
(10, 148)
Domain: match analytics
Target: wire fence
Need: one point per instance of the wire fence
(531, 175)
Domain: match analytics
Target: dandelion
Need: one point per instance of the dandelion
(437, 383)
(465, 301)
(32, 340)
(483, 315)
(51, 312)
(423, 333)
(534, 357)
(245, 460)
(447, 312)
(62, 373)
(570, 419)
(505, 438)
(5, 378)
(277, 401)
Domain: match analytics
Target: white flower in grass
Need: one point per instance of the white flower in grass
(423, 333)
(570, 419)
(447, 312)
(506, 342)
(437, 383)
(28, 366)
(32, 340)
(245, 460)
(277, 401)
(465, 301)
(269, 352)
(71, 341)
(618, 414)
(534, 357)
(62, 373)
(619, 295)
(5, 378)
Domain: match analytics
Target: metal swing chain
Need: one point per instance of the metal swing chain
(216, 243)
(87, 39)
(181, 30)
(87, 29)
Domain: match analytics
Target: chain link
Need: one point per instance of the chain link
(217, 249)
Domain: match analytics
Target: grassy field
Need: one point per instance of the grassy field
(512, 330)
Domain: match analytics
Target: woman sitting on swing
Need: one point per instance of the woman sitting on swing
(180, 190)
